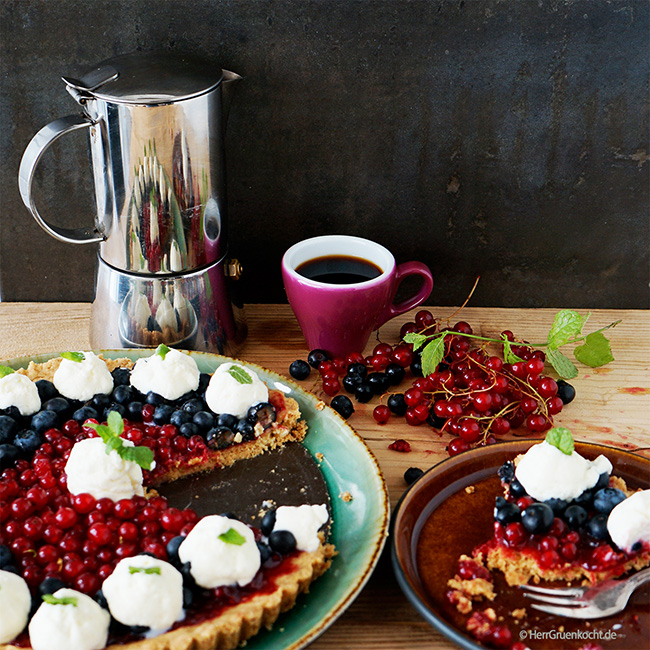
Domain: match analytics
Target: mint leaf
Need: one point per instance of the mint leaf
(77, 357)
(231, 536)
(562, 439)
(432, 354)
(567, 325)
(115, 423)
(508, 355)
(110, 434)
(418, 340)
(564, 367)
(238, 373)
(147, 570)
(162, 351)
(65, 600)
(6, 370)
(143, 456)
(595, 351)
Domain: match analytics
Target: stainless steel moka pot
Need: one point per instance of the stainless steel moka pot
(156, 125)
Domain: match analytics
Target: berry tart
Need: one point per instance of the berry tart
(561, 518)
(91, 556)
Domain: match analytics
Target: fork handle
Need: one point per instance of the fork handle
(639, 578)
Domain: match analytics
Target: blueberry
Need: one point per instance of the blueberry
(189, 429)
(6, 556)
(265, 551)
(28, 441)
(203, 419)
(506, 512)
(7, 429)
(607, 498)
(85, 413)
(246, 429)
(566, 392)
(342, 405)
(517, 489)
(358, 369)
(204, 380)
(282, 541)
(100, 401)
(193, 405)
(299, 369)
(114, 406)
(13, 412)
(435, 421)
(264, 413)
(412, 474)
(154, 398)
(585, 499)
(219, 437)
(180, 417)
(50, 585)
(100, 599)
(138, 630)
(395, 374)
(603, 482)
(8, 456)
(350, 382)
(162, 413)
(227, 420)
(597, 527)
(44, 420)
(556, 505)
(57, 404)
(537, 518)
(188, 578)
(267, 522)
(121, 376)
(378, 381)
(507, 472)
(188, 597)
(172, 549)
(123, 394)
(575, 516)
(363, 393)
(316, 357)
(46, 390)
(134, 410)
(396, 404)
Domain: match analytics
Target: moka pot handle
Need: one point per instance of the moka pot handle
(33, 153)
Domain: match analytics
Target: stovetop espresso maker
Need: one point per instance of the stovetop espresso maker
(155, 123)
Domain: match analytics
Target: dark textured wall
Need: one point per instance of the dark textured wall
(507, 139)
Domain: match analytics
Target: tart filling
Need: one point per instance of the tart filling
(80, 521)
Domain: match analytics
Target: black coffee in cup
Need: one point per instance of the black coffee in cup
(339, 269)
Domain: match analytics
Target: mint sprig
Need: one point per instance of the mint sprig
(562, 439)
(231, 536)
(77, 357)
(111, 433)
(6, 370)
(238, 373)
(162, 351)
(594, 351)
(151, 570)
(64, 600)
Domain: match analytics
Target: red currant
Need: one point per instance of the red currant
(381, 414)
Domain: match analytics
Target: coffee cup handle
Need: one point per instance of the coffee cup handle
(403, 271)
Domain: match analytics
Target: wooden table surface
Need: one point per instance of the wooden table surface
(612, 407)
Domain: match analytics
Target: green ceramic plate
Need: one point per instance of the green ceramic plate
(359, 527)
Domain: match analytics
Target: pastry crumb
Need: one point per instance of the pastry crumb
(518, 613)
(470, 489)
(320, 405)
(346, 496)
(319, 457)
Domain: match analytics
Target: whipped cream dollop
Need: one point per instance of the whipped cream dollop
(15, 604)
(90, 469)
(171, 376)
(234, 389)
(303, 522)
(20, 391)
(219, 556)
(548, 473)
(81, 624)
(144, 590)
(83, 379)
(629, 521)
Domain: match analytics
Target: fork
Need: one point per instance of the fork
(604, 599)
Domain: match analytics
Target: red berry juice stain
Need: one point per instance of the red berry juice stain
(634, 390)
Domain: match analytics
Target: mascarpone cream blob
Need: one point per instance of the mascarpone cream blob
(145, 591)
(303, 522)
(82, 380)
(215, 561)
(90, 469)
(20, 391)
(548, 473)
(629, 521)
(15, 604)
(171, 376)
(79, 625)
(230, 390)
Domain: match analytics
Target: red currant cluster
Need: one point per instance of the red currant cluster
(473, 394)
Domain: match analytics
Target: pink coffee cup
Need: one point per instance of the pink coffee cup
(334, 313)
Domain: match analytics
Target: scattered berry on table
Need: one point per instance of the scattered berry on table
(412, 474)
(400, 445)
(299, 369)
(342, 405)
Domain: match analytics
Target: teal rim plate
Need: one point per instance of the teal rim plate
(360, 524)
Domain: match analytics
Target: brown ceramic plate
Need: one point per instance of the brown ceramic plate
(463, 519)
